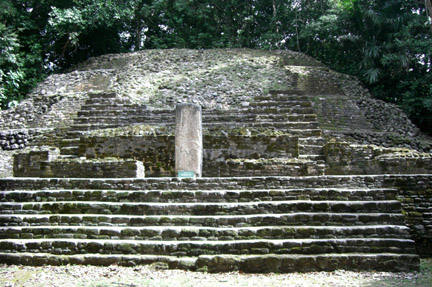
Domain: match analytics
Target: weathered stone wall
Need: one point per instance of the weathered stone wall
(34, 163)
(346, 158)
(44, 162)
(6, 163)
(225, 147)
(42, 112)
(16, 139)
(266, 167)
(106, 168)
(417, 209)
(157, 151)
(415, 194)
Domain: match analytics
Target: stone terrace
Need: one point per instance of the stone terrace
(258, 224)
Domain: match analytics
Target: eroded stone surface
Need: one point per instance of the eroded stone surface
(188, 139)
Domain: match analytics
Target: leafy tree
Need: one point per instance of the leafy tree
(85, 29)
(11, 73)
(21, 45)
(386, 43)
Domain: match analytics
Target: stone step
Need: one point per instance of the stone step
(281, 110)
(114, 101)
(197, 233)
(236, 208)
(284, 104)
(70, 150)
(90, 127)
(137, 111)
(233, 116)
(287, 92)
(298, 167)
(77, 129)
(296, 129)
(343, 194)
(69, 142)
(123, 120)
(103, 96)
(93, 125)
(73, 134)
(282, 97)
(310, 149)
(145, 119)
(96, 121)
(110, 107)
(306, 126)
(227, 263)
(213, 183)
(320, 159)
(318, 141)
(288, 219)
(67, 157)
(313, 132)
(247, 112)
(206, 183)
(291, 113)
(196, 248)
(288, 118)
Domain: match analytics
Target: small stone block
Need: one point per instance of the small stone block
(186, 174)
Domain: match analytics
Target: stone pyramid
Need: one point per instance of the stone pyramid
(302, 170)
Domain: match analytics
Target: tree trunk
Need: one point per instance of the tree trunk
(137, 35)
(275, 16)
(429, 11)
(139, 26)
(297, 32)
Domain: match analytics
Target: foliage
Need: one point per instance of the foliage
(11, 75)
(386, 43)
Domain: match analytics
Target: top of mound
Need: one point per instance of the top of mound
(161, 78)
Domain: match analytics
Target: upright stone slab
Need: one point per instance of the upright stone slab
(188, 139)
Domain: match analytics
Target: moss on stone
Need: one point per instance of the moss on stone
(264, 161)
(134, 130)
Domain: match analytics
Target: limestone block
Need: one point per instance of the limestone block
(33, 163)
(155, 151)
(188, 139)
(101, 168)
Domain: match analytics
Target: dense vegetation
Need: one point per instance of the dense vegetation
(386, 43)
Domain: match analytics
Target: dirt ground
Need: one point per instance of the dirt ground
(116, 276)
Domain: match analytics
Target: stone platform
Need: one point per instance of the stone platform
(252, 224)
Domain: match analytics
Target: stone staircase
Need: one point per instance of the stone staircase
(278, 134)
(267, 224)
(280, 114)
(263, 205)
(101, 111)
